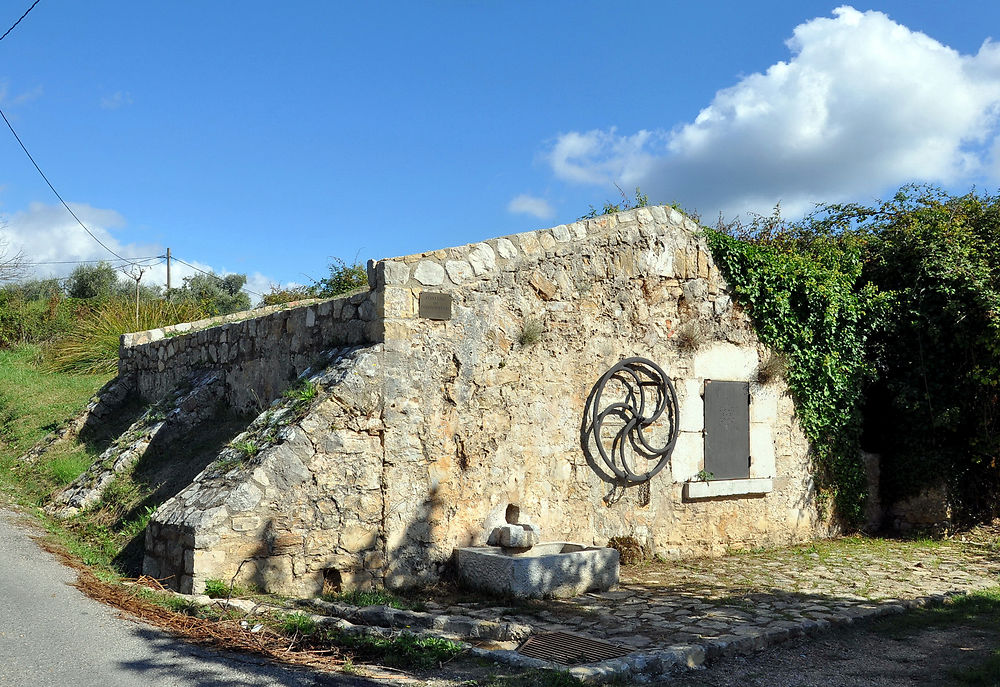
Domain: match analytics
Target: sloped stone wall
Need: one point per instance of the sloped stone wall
(422, 437)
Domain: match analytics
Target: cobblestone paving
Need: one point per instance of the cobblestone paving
(749, 600)
(670, 616)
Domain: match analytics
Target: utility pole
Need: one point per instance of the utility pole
(168, 271)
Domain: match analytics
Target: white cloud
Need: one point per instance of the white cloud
(863, 104)
(20, 98)
(116, 100)
(27, 96)
(48, 234)
(525, 204)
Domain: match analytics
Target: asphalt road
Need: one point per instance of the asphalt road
(52, 634)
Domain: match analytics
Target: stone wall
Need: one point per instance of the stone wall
(259, 352)
(417, 442)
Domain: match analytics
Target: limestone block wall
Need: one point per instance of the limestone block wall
(467, 407)
(259, 352)
(480, 420)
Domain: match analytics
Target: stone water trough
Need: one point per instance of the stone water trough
(517, 564)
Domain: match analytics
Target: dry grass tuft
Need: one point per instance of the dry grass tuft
(91, 347)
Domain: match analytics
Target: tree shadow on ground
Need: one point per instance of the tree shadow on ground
(174, 661)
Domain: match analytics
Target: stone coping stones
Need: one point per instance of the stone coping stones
(560, 569)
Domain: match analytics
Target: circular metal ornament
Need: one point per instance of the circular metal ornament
(629, 404)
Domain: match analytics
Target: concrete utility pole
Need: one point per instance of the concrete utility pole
(168, 270)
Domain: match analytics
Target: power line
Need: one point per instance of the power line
(19, 20)
(213, 275)
(81, 262)
(53, 188)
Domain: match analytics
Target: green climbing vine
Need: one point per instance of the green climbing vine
(803, 292)
(889, 317)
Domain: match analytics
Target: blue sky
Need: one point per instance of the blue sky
(264, 137)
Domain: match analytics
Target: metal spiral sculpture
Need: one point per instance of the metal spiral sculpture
(644, 396)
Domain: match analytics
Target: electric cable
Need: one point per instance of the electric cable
(81, 262)
(53, 188)
(19, 20)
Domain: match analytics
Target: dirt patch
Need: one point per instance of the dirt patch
(860, 657)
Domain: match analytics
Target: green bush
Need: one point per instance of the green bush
(935, 412)
(889, 319)
(342, 279)
(213, 294)
(34, 320)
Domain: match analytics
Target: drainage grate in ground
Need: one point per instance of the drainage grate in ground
(569, 650)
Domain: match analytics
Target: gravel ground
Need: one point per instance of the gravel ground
(859, 657)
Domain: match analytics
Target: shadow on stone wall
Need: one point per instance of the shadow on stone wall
(411, 561)
(171, 463)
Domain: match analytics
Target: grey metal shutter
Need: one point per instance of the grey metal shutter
(727, 429)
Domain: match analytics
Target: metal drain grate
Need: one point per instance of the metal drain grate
(569, 650)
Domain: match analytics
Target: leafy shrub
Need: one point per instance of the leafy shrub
(405, 650)
(93, 281)
(279, 296)
(343, 279)
(889, 319)
(935, 412)
(213, 294)
(298, 623)
(216, 589)
(369, 597)
(34, 320)
(91, 346)
(630, 551)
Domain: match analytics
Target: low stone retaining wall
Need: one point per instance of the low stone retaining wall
(258, 353)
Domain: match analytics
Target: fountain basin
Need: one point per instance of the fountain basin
(544, 570)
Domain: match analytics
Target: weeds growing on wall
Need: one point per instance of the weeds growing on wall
(889, 319)
(641, 200)
(343, 278)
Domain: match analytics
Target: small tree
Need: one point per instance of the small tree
(217, 295)
(92, 281)
(343, 278)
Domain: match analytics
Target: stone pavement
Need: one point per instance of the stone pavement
(675, 615)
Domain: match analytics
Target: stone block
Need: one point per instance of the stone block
(545, 287)
(528, 243)
(691, 406)
(358, 538)
(764, 406)
(459, 271)
(243, 498)
(558, 569)
(725, 361)
(429, 273)
(561, 233)
(762, 459)
(515, 536)
(483, 259)
(506, 249)
(688, 457)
